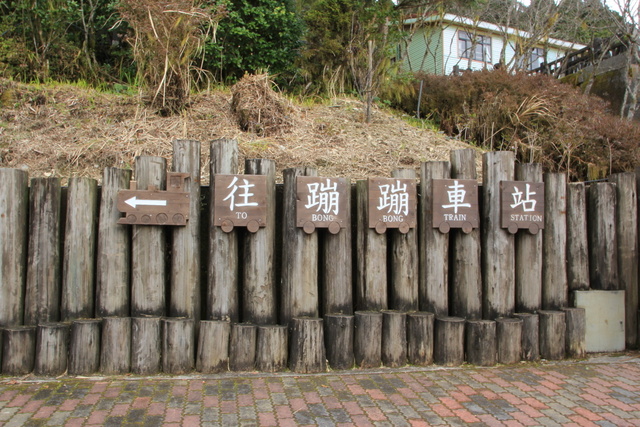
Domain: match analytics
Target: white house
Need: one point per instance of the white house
(442, 42)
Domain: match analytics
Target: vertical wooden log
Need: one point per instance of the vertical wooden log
(213, 346)
(114, 249)
(259, 288)
(577, 241)
(178, 353)
(18, 350)
(528, 248)
(603, 243)
(420, 338)
(371, 253)
(498, 258)
(242, 350)
(449, 341)
(14, 198)
(555, 291)
(148, 248)
(338, 340)
(627, 236)
(272, 348)
(42, 297)
(405, 265)
(307, 353)
(466, 276)
(146, 348)
(394, 338)
(115, 349)
(185, 256)
(509, 340)
(222, 288)
(576, 329)
(84, 347)
(78, 296)
(52, 346)
(434, 245)
(480, 342)
(368, 342)
(299, 257)
(552, 334)
(337, 264)
(530, 336)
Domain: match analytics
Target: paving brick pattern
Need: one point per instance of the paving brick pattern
(598, 392)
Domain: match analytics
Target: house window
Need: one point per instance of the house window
(474, 47)
(536, 58)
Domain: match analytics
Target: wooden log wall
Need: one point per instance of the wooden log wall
(358, 298)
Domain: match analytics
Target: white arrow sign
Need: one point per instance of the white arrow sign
(134, 201)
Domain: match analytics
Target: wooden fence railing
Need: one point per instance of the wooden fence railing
(82, 293)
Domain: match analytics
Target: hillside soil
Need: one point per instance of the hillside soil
(67, 131)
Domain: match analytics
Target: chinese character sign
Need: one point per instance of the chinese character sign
(240, 201)
(392, 204)
(522, 206)
(321, 203)
(455, 204)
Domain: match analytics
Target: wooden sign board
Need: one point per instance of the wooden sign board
(321, 203)
(392, 204)
(156, 207)
(455, 204)
(522, 206)
(240, 201)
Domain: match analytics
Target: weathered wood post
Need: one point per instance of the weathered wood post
(14, 198)
(52, 346)
(552, 334)
(42, 297)
(480, 342)
(222, 288)
(371, 252)
(148, 247)
(299, 256)
(337, 265)
(603, 242)
(530, 336)
(178, 353)
(307, 354)
(114, 249)
(434, 245)
(338, 340)
(367, 346)
(577, 240)
(259, 288)
(509, 331)
(555, 293)
(84, 347)
(394, 338)
(115, 349)
(466, 276)
(498, 258)
(242, 349)
(18, 350)
(185, 300)
(575, 335)
(420, 338)
(627, 235)
(528, 249)
(449, 341)
(78, 296)
(146, 348)
(272, 348)
(213, 346)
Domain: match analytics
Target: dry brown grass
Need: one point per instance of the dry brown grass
(66, 131)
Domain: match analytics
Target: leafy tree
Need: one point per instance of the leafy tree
(257, 35)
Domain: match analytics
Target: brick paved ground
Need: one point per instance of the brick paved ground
(603, 391)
